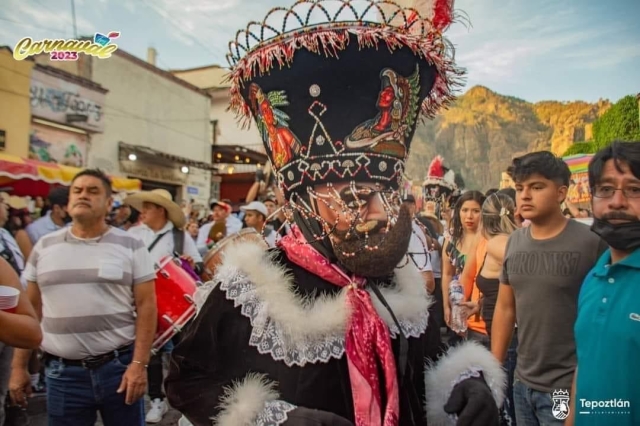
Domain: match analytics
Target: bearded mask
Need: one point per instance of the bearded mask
(374, 253)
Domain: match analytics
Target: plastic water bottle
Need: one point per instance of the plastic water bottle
(458, 312)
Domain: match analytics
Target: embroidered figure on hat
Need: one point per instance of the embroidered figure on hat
(273, 124)
(398, 103)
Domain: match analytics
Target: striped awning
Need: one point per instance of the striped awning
(578, 163)
(14, 169)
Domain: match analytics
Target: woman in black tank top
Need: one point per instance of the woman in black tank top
(498, 223)
(489, 289)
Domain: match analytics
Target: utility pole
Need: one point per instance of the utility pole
(73, 16)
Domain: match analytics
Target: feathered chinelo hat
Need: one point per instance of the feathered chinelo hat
(440, 182)
(336, 88)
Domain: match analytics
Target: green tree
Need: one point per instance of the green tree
(581, 148)
(620, 122)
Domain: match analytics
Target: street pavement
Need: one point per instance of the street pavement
(38, 413)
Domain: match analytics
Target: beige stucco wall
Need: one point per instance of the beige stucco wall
(144, 108)
(204, 78)
(228, 130)
(15, 108)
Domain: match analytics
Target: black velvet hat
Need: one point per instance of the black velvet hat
(339, 100)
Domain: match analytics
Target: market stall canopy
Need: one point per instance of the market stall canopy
(578, 163)
(23, 177)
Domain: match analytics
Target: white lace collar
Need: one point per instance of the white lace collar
(297, 329)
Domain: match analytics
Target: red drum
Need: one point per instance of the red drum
(175, 288)
(213, 259)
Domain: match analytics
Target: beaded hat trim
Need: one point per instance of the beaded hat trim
(310, 25)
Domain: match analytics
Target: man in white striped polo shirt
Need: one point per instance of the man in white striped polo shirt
(93, 287)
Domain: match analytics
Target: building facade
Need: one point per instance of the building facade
(15, 109)
(156, 126)
(67, 115)
(236, 152)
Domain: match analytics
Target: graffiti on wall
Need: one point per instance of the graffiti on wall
(66, 103)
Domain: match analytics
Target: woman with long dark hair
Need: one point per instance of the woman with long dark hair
(498, 222)
(462, 242)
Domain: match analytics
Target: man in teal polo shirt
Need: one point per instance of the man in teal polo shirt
(606, 389)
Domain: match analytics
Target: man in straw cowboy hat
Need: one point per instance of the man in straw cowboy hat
(332, 327)
(162, 232)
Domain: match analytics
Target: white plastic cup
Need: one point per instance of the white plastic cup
(9, 297)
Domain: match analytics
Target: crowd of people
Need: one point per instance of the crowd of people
(148, 216)
(329, 297)
(521, 261)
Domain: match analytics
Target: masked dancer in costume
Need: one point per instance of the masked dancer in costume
(332, 326)
(440, 185)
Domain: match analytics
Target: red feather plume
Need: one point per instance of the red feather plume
(442, 14)
(435, 168)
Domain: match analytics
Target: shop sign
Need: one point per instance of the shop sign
(142, 170)
(64, 102)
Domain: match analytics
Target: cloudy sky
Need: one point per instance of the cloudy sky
(532, 49)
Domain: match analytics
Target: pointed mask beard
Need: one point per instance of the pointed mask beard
(392, 247)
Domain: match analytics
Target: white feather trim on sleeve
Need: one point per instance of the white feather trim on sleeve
(461, 362)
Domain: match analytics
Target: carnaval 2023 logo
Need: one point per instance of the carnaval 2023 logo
(67, 50)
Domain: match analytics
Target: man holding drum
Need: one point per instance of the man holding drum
(162, 232)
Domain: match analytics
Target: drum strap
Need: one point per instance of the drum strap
(158, 238)
(178, 241)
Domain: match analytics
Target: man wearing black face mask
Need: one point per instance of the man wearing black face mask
(607, 330)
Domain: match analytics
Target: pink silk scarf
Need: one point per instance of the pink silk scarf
(367, 340)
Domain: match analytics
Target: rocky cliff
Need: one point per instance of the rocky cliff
(480, 134)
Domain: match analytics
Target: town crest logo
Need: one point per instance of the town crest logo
(560, 407)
